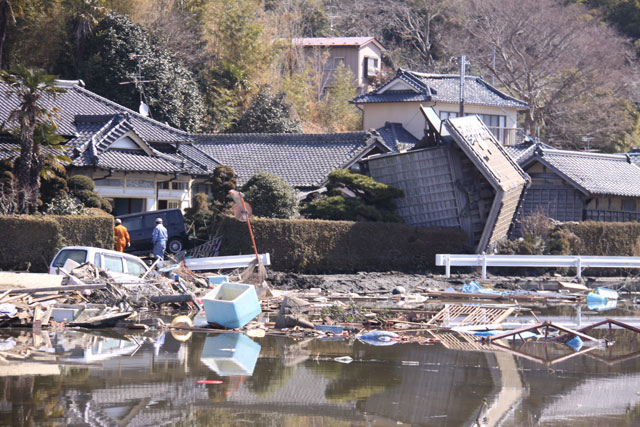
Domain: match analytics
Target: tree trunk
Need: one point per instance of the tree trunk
(4, 18)
(25, 166)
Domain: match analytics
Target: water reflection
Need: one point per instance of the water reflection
(73, 377)
(230, 354)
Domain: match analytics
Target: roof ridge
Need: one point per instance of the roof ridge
(196, 136)
(119, 123)
(201, 152)
(556, 151)
(107, 101)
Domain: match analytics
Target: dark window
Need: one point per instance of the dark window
(629, 205)
(133, 224)
(77, 255)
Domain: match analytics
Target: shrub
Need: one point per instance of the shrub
(198, 217)
(80, 182)
(315, 246)
(105, 205)
(371, 200)
(270, 196)
(31, 241)
(222, 180)
(65, 205)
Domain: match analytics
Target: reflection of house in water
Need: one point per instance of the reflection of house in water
(446, 388)
(594, 398)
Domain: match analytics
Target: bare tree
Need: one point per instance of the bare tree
(572, 70)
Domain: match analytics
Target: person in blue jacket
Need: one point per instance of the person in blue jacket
(159, 240)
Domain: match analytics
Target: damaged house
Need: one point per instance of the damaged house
(460, 176)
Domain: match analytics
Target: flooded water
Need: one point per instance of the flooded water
(118, 378)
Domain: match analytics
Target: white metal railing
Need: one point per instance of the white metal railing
(222, 262)
(577, 261)
(507, 136)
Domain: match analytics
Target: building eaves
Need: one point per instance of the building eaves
(593, 173)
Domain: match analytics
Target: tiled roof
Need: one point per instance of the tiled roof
(77, 101)
(395, 136)
(596, 174)
(302, 160)
(135, 160)
(441, 88)
(334, 41)
(196, 156)
(10, 148)
(495, 164)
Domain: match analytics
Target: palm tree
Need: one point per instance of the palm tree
(30, 86)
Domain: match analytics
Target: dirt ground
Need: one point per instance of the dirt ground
(377, 282)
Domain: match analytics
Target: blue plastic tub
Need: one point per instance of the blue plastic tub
(217, 280)
(231, 305)
(230, 354)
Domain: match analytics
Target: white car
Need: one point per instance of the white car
(112, 261)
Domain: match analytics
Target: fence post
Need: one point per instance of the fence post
(579, 267)
(484, 266)
(448, 266)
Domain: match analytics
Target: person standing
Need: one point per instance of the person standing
(121, 236)
(159, 240)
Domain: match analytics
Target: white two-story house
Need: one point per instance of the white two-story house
(362, 55)
(399, 101)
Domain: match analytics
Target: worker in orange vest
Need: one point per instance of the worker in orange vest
(121, 236)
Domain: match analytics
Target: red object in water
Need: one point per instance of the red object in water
(210, 382)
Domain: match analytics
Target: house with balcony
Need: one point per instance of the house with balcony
(362, 55)
(399, 101)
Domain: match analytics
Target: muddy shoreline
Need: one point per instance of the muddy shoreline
(384, 282)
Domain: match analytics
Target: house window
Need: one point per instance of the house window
(163, 185)
(629, 205)
(108, 182)
(371, 66)
(202, 188)
(448, 115)
(172, 204)
(139, 183)
(178, 185)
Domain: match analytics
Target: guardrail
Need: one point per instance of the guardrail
(577, 261)
(222, 262)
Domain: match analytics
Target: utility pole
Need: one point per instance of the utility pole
(463, 61)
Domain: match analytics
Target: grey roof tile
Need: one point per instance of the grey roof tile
(131, 160)
(395, 136)
(77, 101)
(597, 174)
(303, 160)
(441, 88)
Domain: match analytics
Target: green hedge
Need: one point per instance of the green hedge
(29, 242)
(599, 238)
(317, 246)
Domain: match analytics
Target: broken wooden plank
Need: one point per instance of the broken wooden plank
(65, 288)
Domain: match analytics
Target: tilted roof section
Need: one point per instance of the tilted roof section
(426, 87)
(592, 173)
(395, 136)
(335, 41)
(495, 164)
(302, 160)
(77, 101)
